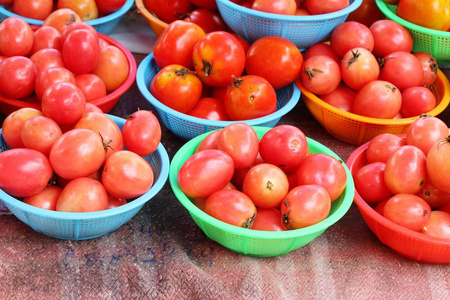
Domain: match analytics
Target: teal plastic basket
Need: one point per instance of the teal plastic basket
(103, 25)
(303, 31)
(88, 225)
(187, 127)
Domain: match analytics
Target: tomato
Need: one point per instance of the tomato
(142, 132)
(274, 58)
(407, 210)
(283, 7)
(349, 35)
(17, 76)
(40, 133)
(168, 11)
(324, 170)
(232, 207)
(342, 97)
(209, 142)
(239, 173)
(91, 85)
(304, 206)
(61, 18)
(321, 74)
(369, 182)
(378, 99)
(379, 208)
(402, 69)
(80, 43)
(114, 202)
(359, 67)
(431, 14)
(367, 13)
(85, 9)
(268, 219)
(250, 97)
(425, 132)
(406, 170)
(50, 76)
(76, 26)
(209, 4)
(46, 199)
(433, 196)
(240, 141)
(207, 19)
(77, 153)
(321, 49)
(112, 67)
(430, 68)
(13, 124)
(324, 7)
(16, 37)
(176, 43)
(417, 100)
(106, 7)
(63, 102)
(82, 195)
(25, 172)
(438, 225)
(127, 175)
(46, 37)
(37, 9)
(389, 37)
(47, 58)
(91, 108)
(284, 146)
(445, 208)
(194, 176)
(217, 57)
(210, 109)
(382, 146)
(438, 165)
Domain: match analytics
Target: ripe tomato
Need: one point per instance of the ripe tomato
(367, 13)
(250, 97)
(37, 9)
(106, 7)
(76, 26)
(82, 195)
(83, 44)
(389, 37)
(13, 124)
(16, 37)
(112, 67)
(168, 11)
(50, 76)
(40, 133)
(417, 100)
(91, 85)
(46, 37)
(91, 108)
(209, 142)
(114, 202)
(217, 57)
(324, 7)
(321, 74)
(17, 76)
(438, 225)
(432, 14)
(61, 18)
(438, 165)
(46, 199)
(369, 182)
(210, 109)
(85, 9)
(47, 58)
(359, 67)
(209, 4)
(402, 69)
(342, 97)
(430, 67)
(268, 219)
(382, 146)
(283, 7)
(349, 35)
(321, 49)
(127, 175)
(239, 173)
(194, 176)
(407, 210)
(425, 132)
(304, 206)
(207, 19)
(433, 196)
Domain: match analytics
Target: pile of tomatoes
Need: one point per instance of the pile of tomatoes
(370, 71)
(295, 7)
(272, 184)
(405, 177)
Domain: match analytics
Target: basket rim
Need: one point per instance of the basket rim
(74, 216)
(148, 15)
(177, 162)
(145, 63)
(362, 205)
(99, 21)
(389, 14)
(309, 18)
(441, 79)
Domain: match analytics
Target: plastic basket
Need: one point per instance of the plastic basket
(303, 31)
(154, 22)
(103, 25)
(8, 105)
(187, 127)
(434, 42)
(355, 129)
(88, 225)
(410, 244)
(256, 242)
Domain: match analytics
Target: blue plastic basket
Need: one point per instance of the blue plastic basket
(303, 31)
(187, 127)
(88, 225)
(103, 25)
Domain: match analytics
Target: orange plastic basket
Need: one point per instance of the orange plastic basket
(355, 129)
(410, 244)
(156, 24)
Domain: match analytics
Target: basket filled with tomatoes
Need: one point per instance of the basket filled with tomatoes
(211, 80)
(401, 190)
(103, 15)
(101, 68)
(428, 21)
(262, 204)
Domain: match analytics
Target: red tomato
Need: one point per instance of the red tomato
(168, 11)
(114, 202)
(240, 141)
(91, 85)
(209, 142)
(321, 49)
(425, 132)
(349, 35)
(217, 57)
(407, 210)
(50, 76)
(342, 97)
(210, 109)
(232, 207)
(324, 170)
(389, 37)
(438, 225)
(324, 7)
(13, 124)
(406, 170)
(61, 18)
(445, 208)
(194, 176)
(239, 173)
(433, 14)
(359, 67)
(46, 199)
(47, 58)
(430, 68)
(112, 67)
(76, 26)
(433, 196)
(82, 195)
(209, 4)
(36, 9)
(142, 132)
(16, 37)
(207, 19)
(402, 69)
(379, 208)
(250, 97)
(91, 108)
(268, 219)
(106, 7)
(283, 7)
(438, 165)
(367, 13)
(80, 43)
(382, 146)
(40, 133)
(369, 182)
(274, 58)
(304, 206)
(127, 175)
(417, 100)
(46, 37)
(17, 76)
(321, 74)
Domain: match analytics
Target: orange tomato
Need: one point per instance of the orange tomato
(86, 9)
(433, 14)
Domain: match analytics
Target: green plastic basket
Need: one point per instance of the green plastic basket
(255, 242)
(434, 42)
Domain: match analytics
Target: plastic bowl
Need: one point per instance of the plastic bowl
(154, 22)
(355, 129)
(103, 24)
(303, 31)
(88, 225)
(187, 127)
(256, 242)
(8, 105)
(410, 244)
(434, 42)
